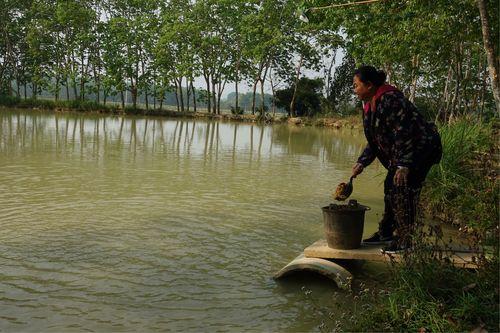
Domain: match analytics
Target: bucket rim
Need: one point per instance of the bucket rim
(358, 208)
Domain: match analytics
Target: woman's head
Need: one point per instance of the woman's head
(366, 81)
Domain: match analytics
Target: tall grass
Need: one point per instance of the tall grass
(463, 189)
(430, 296)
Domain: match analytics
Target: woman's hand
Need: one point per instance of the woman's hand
(401, 176)
(357, 169)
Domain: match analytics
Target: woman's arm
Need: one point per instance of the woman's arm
(367, 156)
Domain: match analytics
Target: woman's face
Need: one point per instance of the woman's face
(365, 91)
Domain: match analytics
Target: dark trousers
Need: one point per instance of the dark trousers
(401, 202)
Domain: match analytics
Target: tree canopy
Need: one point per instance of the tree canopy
(439, 52)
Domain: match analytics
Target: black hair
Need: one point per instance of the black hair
(371, 74)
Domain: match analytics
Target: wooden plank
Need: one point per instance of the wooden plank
(320, 249)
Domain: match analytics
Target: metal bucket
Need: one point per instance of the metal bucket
(344, 224)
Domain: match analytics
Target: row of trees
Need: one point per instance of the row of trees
(102, 49)
(97, 49)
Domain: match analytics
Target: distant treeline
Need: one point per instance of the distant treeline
(150, 52)
(443, 54)
(169, 99)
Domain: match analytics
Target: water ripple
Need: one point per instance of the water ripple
(161, 230)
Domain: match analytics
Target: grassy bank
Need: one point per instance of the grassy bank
(430, 296)
(424, 292)
(89, 106)
(463, 188)
(111, 108)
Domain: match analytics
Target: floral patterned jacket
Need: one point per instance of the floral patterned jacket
(397, 134)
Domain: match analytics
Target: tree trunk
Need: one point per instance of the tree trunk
(274, 95)
(163, 92)
(207, 81)
(135, 84)
(188, 94)
(194, 96)
(177, 95)
(292, 103)
(466, 80)
(82, 80)
(490, 52)
(460, 82)
(98, 84)
(220, 89)
(154, 93)
(414, 78)
(133, 92)
(145, 86)
(388, 71)
(262, 96)
(75, 90)
(477, 93)
(67, 89)
(98, 92)
(123, 100)
(57, 89)
(455, 96)
(74, 71)
(262, 101)
(262, 81)
(443, 109)
(483, 92)
(329, 75)
(161, 100)
(181, 95)
(253, 96)
(214, 97)
(236, 106)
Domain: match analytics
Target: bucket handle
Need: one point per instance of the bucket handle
(356, 204)
(365, 207)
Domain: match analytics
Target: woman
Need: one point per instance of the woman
(405, 144)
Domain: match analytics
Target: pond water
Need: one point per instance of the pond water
(153, 224)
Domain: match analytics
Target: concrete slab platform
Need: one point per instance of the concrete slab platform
(320, 249)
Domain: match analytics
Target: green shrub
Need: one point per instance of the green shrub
(7, 100)
(41, 103)
(237, 110)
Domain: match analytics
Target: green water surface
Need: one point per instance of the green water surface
(151, 224)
